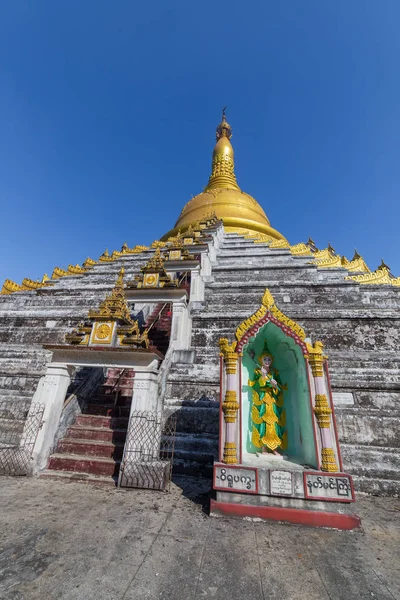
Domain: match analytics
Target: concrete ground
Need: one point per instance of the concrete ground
(72, 541)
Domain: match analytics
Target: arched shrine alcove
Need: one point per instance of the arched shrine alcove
(294, 409)
(279, 455)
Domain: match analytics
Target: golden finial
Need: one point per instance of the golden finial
(223, 165)
(383, 265)
(120, 280)
(224, 129)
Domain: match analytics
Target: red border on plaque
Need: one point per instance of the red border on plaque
(236, 491)
(324, 474)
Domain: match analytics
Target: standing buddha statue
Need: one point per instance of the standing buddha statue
(267, 413)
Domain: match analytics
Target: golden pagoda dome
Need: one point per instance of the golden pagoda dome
(239, 211)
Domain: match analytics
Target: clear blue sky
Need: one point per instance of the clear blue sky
(108, 112)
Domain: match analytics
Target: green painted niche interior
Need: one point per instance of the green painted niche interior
(290, 362)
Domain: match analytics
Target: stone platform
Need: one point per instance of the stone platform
(72, 541)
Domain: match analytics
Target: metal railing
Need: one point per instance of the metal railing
(157, 317)
(19, 426)
(148, 452)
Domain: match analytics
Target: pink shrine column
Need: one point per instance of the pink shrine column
(230, 404)
(322, 410)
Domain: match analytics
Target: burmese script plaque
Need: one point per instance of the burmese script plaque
(328, 486)
(235, 479)
(281, 483)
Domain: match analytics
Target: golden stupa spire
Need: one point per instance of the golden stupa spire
(223, 197)
(223, 163)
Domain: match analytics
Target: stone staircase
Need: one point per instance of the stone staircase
(159, 322)
(93, 445)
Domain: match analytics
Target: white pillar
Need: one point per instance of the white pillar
(322, 408)
(230, 404)
(181, 327)
(196, 286)
(145, 391)
(205, 265)
(212, 253)
(144, 432)
(51, 392)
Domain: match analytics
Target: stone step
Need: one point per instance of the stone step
(84, 464)
(100, 421)
(77, 477)
(95, 448)
(110, 399)
(376, 486)
(197, 443)
(192, 468)
(108, 410)
(196, 420)
(202, 402)
(371, 461)
(197, 458)
(102, 434)
(366, 429)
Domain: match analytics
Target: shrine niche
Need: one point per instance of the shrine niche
(278, 437)
(277, 419)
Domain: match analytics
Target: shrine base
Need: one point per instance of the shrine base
(285, 493)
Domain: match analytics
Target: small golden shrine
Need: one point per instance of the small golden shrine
(111, 324)
(176, 249)
(154, 274)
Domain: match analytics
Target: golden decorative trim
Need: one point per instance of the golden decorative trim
(268, 304)
(230, 406)
(230, 356)
(263, 238)
(105, 257)
(316, 358)
(136, 250)
(356, 264)
(158, 244)
(329, 460)
(89, 262)
(76, 270)
(322, 411)
(300, 250)
(379, 277)
(9, 287)
(230, 453)
(324, 254)
(58, 272)
(279, 244)
(28, 284)
(329, 263)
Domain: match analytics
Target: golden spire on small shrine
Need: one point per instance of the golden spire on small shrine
(223, 197)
